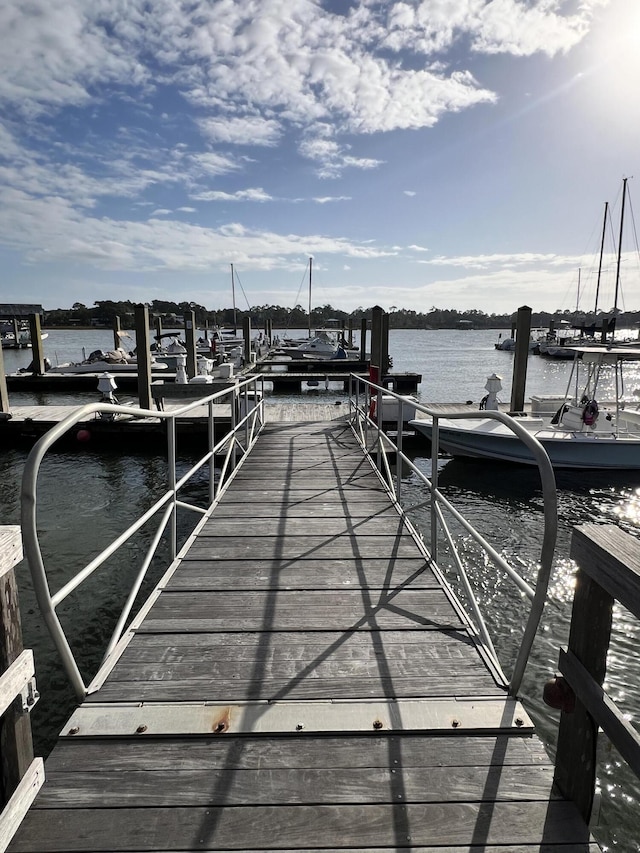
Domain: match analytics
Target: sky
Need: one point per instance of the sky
(454, 154)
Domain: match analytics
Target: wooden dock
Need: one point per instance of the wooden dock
(301, 680)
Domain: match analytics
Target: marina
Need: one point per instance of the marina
(451, 477)
(349, 611)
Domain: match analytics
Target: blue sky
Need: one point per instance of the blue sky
(448, 153)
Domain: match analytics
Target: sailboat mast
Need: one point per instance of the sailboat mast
(578, 296)
(310, 268)
(624, 195)
(233, 296)
(604, 228)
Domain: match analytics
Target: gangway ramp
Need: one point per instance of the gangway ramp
(301, 680)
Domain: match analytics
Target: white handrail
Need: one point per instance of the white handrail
(362, 422)
(48, 602)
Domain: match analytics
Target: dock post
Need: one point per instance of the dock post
(16, 744)
(350, 331)
(158, 325)
(4, 394)
(376, 367)
(523, 333)
(601, 553)
(363, 339)
(36, 345)
(246, 334)
(190, 339)
(16, 332)
(117, 328)
(143, 355)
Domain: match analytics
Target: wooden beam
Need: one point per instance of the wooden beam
(190, 339)
(143, 355)
(36, 345)
(4, 393)
(612, 559)
(589, 638)
(16, 745)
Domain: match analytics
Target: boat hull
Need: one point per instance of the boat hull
(487, 439)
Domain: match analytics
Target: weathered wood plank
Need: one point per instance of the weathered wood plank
(295, 827)
(317, 507)
(373, 751)
(122, 789)
(425, 663)
(302, 574)
(382, 525)
(10, 547)
(611, 557)
(298, 547)
(344, 610)
(309, 493)
(233, 691)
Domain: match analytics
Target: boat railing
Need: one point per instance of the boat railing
(365, 401)
(246, 405)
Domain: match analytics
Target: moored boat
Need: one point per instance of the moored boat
(581, 433)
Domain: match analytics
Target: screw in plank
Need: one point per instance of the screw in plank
(141, 729)
(377, 724)
(519, 722)
(74, 730)
(455, 723)
(299, 727)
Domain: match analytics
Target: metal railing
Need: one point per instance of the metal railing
(246, 422)
(365, 401)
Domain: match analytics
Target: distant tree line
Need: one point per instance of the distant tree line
(103, 314)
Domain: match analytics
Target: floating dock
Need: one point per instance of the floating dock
(301, 679)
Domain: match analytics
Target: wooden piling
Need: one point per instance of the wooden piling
(116, 333)
(363, 339)
(246, 333)
(143, 355)
(523, 333)
(36, 345)
(16, 745)
(190, 339)
(4, 393)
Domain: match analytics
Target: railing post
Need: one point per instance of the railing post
(399, 448)
(171, 466)
(435, 441)
(589, 637)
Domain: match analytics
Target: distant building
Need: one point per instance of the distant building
(19, 311)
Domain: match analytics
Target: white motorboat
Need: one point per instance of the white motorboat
(581, 433)
(322, 346)
(115, 361)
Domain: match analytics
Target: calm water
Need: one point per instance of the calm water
(86, 499)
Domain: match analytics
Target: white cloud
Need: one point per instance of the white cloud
(415, 248)
(410, 193)
(249, 130)
(187, 209)
(332, 157)
(160, 211)
(495, 260)
(253, 194)
(210, 163)
(50, 229)
(329, 198)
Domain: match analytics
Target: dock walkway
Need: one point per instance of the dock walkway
(301, 680)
